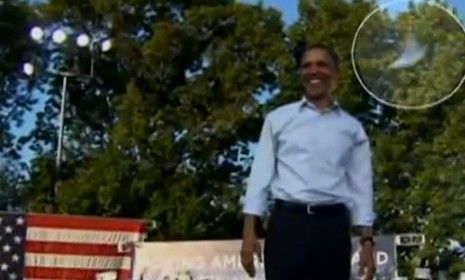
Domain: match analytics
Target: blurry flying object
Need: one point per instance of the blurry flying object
(412, 53)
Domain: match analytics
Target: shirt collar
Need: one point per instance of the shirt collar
(304, 102)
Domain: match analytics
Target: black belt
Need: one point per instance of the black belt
(327, 209)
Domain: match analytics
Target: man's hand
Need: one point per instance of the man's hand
(367, 261)
(250, 246)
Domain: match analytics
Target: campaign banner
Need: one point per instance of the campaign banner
(220, 260)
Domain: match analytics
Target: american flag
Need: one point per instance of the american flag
(40, 246)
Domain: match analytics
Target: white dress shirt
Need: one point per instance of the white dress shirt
(309, 156)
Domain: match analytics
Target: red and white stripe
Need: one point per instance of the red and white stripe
(76, 247)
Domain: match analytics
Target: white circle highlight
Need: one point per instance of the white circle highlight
(410, 56)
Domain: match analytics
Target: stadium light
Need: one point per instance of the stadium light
(59, 36)
(106, 45)
(83, 40)
(37, 33)
(28, 69)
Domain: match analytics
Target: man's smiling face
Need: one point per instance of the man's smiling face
(319, 73)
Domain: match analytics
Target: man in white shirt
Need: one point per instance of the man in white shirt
(314, 161)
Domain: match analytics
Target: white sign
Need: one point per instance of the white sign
(220, 260)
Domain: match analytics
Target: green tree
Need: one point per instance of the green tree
(417, 161)
(176, 129)
(413, 150)
(13, 188)
(186, 118)
(99, 79)
(423, 28)
(91, 94)
(332, 23)
(15, 97)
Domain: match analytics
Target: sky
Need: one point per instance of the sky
(289, 11)
(288, 8)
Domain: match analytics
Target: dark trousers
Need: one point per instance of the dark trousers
(302, 246)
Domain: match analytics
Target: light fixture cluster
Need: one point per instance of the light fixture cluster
(60, 36)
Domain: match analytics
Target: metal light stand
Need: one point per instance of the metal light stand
(59, 36)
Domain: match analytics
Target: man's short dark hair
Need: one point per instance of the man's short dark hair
(303, 47)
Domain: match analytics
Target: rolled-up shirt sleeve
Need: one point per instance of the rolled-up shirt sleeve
(262, 172)
(360, 180)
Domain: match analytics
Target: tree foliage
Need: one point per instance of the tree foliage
(12, 187)
(164, 128)
(388, 41)
(15, 98)
(418, 162)
(186, 117)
